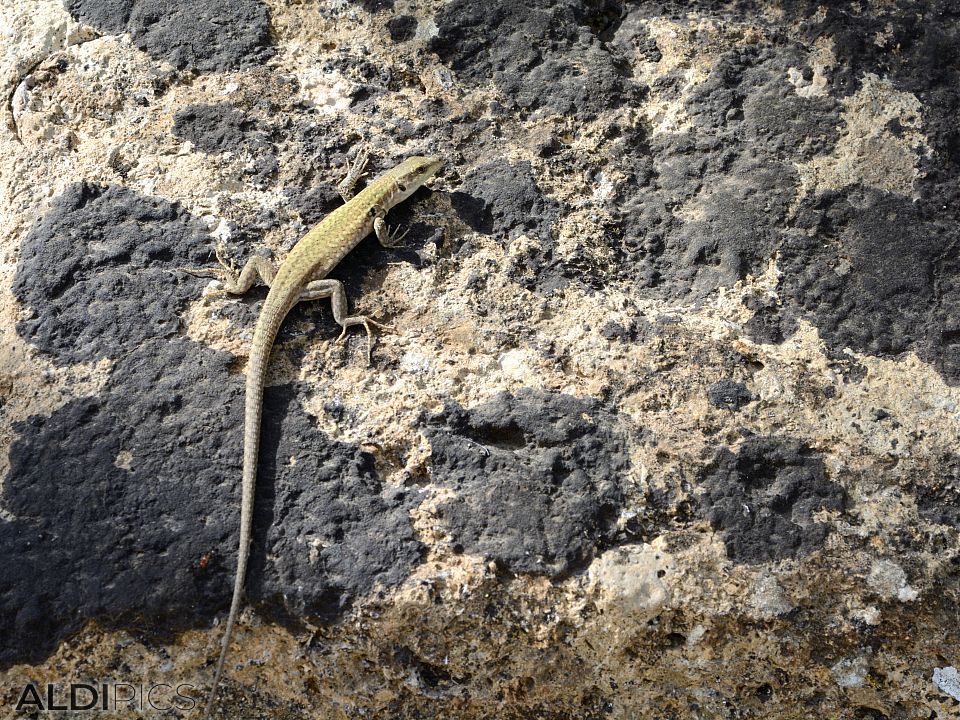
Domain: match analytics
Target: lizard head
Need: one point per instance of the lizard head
(412, 173)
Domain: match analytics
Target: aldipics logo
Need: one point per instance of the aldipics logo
(77, 697)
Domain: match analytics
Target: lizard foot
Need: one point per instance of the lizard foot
(367, 323)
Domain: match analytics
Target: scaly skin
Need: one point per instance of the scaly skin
(300, 277)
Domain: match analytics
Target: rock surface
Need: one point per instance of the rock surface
(668, 423)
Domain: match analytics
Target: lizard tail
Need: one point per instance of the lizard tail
(263, 336)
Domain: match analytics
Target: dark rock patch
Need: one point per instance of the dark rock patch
(500, 199)
(204, 35)
(629, 331)
(547, 54)
(331, 503)
(118, 499)
(221, 128)
(402, 28)
(373, 6)
(218, 128)
(764, 496)
(938, 497)
(735, 173)
(728, 394)
(873, 271)
(538, 482)
(505, 200)
(96, 272)
(771, 322)
(877, 272)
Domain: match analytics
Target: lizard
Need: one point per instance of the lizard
(302, 277)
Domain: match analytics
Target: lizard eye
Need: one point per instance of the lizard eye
(401, 187)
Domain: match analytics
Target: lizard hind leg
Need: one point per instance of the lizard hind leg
(238, 283)
(333, 289)
(255, 267)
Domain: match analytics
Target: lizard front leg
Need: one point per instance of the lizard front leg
(387, 238)
(333, 289)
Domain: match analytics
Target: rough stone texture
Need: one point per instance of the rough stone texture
(666, 425)
(221, 128)
(566, 70)
(892, 286)
(402, 27)
(731, 168)
(97, 272)
(728, 394)
(536, 483)
(217, 128)
(67, 559)
(938, 499)
(499, 198)
(764, 497)
(204, 35)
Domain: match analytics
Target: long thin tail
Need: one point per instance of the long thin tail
(263, 337)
